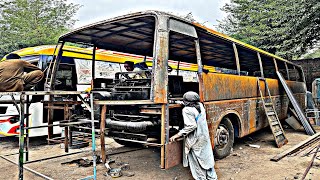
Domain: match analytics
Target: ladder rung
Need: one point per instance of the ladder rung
(268, 104)
(270, 113)
(278, 133)
(274, 123)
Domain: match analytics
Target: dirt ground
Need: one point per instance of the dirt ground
(245, 162)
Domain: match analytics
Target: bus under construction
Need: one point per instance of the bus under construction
(243, 88)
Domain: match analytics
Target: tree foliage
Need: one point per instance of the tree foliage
(286, 28)
(25, 23)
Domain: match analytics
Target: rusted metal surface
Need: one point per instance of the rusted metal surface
(200, 71)
(249, 112)
(173, 152)
(160, 79)
(226, 86)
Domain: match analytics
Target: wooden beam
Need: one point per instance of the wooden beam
(294, 148)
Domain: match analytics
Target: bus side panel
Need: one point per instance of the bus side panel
(249, 112)
(226, 86)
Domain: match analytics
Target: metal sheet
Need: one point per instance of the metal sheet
(173, 152)
(227, 86)
(183, 28)
(248, 111)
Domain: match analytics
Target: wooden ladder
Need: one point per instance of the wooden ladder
(272, 116)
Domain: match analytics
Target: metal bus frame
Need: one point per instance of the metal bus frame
(150, 36)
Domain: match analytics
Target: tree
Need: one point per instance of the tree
(286, 28)
(25, 23)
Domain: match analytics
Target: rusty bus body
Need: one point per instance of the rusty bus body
(142, 108)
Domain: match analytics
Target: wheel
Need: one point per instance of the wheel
(224, 139)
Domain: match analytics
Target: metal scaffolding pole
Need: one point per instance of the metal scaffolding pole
(21, 136)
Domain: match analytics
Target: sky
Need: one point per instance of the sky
(206, 12)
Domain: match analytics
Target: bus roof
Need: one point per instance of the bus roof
(140, 39)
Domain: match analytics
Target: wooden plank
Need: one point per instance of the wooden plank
(102, 128)
(173, 154)
(289, 151)
(66, 129)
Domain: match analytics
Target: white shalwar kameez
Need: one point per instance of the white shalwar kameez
(197, 146)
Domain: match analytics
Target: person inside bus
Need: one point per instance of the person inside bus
(18, 75)
(139, 68)
(197, 145)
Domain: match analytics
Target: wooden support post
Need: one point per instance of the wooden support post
(50, 122)
(66, 129)
(164, 132)
(102, 127)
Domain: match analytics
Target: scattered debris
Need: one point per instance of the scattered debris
(236, 154)
(311, 162)
(301, 146)
(108, 161)
(254, 145)
(82, 162)
(121, 170)
(294, 123)
(114, 172)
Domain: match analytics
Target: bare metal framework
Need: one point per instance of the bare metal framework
(164, 36)
(24, 127)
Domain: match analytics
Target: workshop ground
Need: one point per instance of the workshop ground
(245, 162)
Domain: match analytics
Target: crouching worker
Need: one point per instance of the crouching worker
(18, 75)
(197, 147)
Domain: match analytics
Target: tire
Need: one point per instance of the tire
(224, 139)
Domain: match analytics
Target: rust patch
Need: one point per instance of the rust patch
(226, 86)
(249, 111)
(160, 71)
